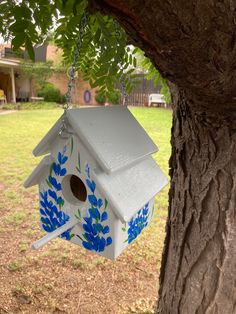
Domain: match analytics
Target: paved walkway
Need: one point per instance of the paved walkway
(7, 111)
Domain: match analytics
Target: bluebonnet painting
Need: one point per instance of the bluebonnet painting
(96, 236)
(138, 223)
(52, 217)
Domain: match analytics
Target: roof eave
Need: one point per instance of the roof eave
(40, 170)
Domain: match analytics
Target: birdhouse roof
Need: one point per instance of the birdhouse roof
(129, 190)
(112, 135)
(39, 172)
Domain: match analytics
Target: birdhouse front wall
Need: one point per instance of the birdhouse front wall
(69, 190)
(59, 202)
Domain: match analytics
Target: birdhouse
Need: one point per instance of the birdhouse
(98, 181)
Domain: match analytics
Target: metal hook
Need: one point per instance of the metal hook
(64, 133)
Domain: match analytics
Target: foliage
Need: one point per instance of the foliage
(30, 106)
(39, 71)
(112, 96)
(50, 93)
(100, 97)
(105, 57)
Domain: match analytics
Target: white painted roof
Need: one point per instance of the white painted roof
(129, 190)
(39, 172)
(112, 135)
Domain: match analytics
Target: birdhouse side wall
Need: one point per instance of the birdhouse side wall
(126, 233)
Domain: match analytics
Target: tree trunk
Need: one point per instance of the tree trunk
(193, 44)
(198, 273)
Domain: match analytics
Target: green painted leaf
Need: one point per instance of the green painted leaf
(50, 169)
(71, 145)
(49, 184)
(80, 238)
(79, 162)
(79, 213)
(106, 202)
(124, 229)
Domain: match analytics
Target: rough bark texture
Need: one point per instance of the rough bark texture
(199, 261)
(193, 44)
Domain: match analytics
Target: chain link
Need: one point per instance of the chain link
(72, 70)
(122, 80)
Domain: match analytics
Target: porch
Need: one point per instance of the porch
(15, 86)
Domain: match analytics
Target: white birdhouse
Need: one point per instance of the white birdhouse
(98, 182)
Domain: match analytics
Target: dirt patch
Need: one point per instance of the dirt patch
(64, 278)
(2, 186)
(2, 112)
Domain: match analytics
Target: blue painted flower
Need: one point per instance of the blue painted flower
(61, 158)
(138, 223)
(52, 217)
(91, 185)
(87, 170)
(96, 236)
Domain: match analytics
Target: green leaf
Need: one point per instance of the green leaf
(106, 203)
(18, 41)
(124, 229)
(30, 48)
(19, 27)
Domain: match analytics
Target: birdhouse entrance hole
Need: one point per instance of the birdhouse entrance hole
(74, 189)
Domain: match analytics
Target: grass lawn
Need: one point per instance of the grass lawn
(64, 278)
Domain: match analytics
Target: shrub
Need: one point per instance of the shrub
(50, 93)
(100, 97)
(30, 106)
(114, 97)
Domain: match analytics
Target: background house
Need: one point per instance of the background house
(16, 86)
(19, 87)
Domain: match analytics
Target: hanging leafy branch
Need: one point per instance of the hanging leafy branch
(105, 57)
(39, 71)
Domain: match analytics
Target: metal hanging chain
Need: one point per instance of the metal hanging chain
(82, 26)
(122, 80)
(63, 132)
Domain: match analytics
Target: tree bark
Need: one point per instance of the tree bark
(198, 273)
(193, 44)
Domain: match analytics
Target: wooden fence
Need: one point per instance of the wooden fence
(140, 93)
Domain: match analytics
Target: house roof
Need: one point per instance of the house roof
(9, 63)
(112, 135)
(129, 190)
